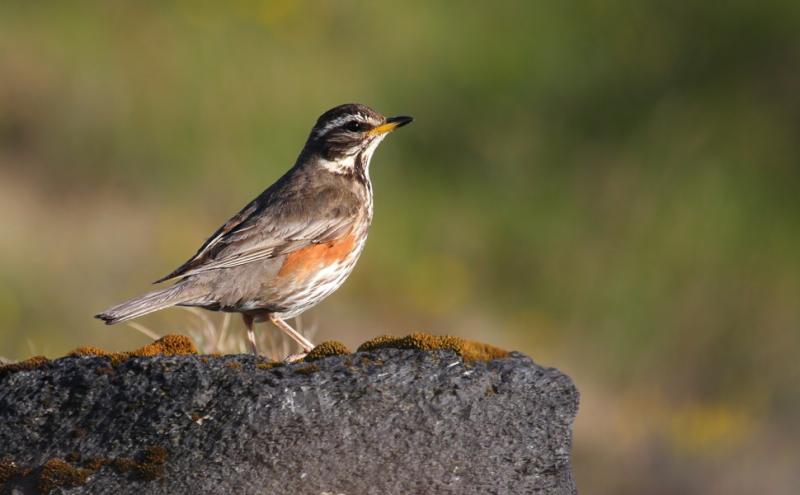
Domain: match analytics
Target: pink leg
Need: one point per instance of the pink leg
(291, 332)
(251, 335)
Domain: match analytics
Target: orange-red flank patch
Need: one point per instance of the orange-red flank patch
(303, 262)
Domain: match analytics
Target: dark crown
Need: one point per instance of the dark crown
(342, 112)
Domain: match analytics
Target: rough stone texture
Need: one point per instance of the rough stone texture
(384, 422)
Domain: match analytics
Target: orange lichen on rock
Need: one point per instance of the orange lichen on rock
(268, 366)
(307, 370)
(29, 364)
(114, 357)
(151, 465)
(325, 349)
(9, 470)
(59, 473)
(123, 465)
(168, 345)
(469, 350)
(94, 463)
(90, 350)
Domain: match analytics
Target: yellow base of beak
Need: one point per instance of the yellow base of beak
(383, 129)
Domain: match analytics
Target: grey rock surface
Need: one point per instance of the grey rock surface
(384, 422)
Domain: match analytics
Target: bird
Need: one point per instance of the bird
(295, 243)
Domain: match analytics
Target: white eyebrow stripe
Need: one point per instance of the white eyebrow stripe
(342, 120)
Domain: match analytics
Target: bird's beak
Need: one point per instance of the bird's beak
(391, 124)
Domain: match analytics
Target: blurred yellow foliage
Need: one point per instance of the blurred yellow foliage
(710, 429)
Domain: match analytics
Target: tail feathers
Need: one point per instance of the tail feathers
(148, 303)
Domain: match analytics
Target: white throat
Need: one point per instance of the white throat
(347, 163)
(343, 165)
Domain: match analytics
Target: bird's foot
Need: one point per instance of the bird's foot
(293, 358)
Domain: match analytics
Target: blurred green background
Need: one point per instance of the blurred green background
(609, 186)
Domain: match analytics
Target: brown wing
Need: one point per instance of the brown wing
(276, 223)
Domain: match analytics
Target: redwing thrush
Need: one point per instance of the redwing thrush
(294, 244)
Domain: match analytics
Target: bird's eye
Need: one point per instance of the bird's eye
(356, 126)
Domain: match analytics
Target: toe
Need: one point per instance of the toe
(293, 358)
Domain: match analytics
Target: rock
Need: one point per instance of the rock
(382, 421)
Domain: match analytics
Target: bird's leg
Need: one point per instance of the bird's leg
(251, 335)
(291, 332)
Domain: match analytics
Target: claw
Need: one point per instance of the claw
(293, 358)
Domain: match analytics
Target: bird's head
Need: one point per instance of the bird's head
(345, 137)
